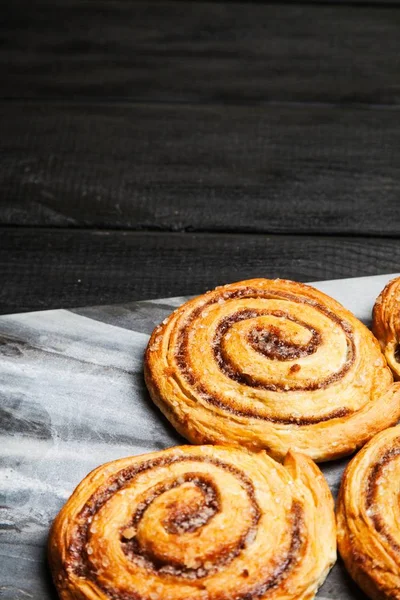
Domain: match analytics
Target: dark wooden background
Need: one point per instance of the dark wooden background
(160, 148)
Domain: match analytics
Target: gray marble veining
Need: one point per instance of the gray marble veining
(72, 396)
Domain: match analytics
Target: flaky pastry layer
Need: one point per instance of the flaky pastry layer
(386, 324)
(274, 365)
(198, 522)
(368, 517)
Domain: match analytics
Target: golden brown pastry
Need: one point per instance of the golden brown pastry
(386, 324)
(271, 364)
(198, 523)
(368, 517)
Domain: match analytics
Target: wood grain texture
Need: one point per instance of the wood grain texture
(313, 169)
(64, 268)
(201, 51)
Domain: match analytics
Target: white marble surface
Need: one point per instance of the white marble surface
(72, 397)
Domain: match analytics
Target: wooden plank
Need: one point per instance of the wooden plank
(314, 169)
(201, 51)
(44, 268)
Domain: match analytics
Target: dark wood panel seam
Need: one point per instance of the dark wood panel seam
(130, 101)
(189, 231)
(357, 3)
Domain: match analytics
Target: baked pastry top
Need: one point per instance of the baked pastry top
(368, 517)
(198, 522)
(386, 324)
(274, 365)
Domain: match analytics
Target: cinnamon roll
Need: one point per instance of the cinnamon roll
(274, 365)
(205, 523)
(386, 324)
(368, 517)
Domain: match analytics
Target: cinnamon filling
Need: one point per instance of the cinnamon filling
(371, 493)
(397, 353)
(270, 344)
(79, 561)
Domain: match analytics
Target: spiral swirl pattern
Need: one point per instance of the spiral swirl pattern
(386, 324)
(368, 516)
(271, 364)
(205, 523)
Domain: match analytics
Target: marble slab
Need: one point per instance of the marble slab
(72, 396)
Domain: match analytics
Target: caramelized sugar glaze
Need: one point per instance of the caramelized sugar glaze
(271, 364)
(211, 523)
(386, 324)
(368, 516)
